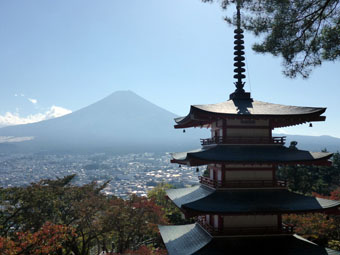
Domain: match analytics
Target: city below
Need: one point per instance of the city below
(128, 173)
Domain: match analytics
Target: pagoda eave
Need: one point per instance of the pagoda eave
(251, 154)
(193, 239)
(193, 213)
(198, 162)
(200, 200)
(279, 115)
(275, 121)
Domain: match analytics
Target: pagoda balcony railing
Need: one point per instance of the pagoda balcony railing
(242, 183)
(284, 229)
(244, 140)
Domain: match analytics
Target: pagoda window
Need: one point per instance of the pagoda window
(216, 132)
(216, 224)
(248, 132)
(248, 122)
(249, 175)
(250, 221)
(219, 175)
(248, 166)
(211, 171)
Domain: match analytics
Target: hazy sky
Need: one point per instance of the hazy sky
(59, 56)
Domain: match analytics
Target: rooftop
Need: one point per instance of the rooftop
(192, 239)
(280, 115)
(200, 200)
(250, 154)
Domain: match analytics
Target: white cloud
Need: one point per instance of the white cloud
(56, 111)
(33, 101)
(13, 139)
(11, 119)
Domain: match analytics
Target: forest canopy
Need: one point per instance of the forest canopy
(57, 217)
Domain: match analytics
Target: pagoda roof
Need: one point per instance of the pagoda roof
(184, 239)
(201, 200)
(281, 115)
(250, 154)
(194, 240)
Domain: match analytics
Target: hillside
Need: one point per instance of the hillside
(315, 143)
(123, 122)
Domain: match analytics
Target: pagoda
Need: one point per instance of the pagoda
(239, 203)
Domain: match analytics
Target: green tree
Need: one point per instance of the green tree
(132, 223)
(173, 214)
(316, 227)
(95, 218)
(308, 179)
(303, 32)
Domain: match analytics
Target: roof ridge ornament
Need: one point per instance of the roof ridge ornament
(239, 58)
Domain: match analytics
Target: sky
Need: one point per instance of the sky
(57, 57)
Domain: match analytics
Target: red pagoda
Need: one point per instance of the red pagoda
(239, 203)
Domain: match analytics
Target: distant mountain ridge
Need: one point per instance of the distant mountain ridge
(123, 122)
(315, 143)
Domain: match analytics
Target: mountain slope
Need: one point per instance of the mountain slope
(315, 143)
(122, 121)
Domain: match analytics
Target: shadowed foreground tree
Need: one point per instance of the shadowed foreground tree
(320, 182)
(303, 32)
(172, 213)
(96, 220)
(319, 228)
(132, 223)
(308, 179)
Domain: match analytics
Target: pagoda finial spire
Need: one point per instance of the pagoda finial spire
(239, 58)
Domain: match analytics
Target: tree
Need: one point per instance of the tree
(49, 239)
(133, 222)
(96, 219)
(303, 32)
(317, 227)
(173, 214)
(307, 179)
(320, 228)
(27, 209)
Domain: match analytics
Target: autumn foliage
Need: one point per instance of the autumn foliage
(321, 228)
(47, 240)
(322, 182)
(56, 217)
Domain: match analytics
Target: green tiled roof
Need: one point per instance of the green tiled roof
(265, 245)
(248, 154)
(184, 239)
(193, 240)
(201, 199)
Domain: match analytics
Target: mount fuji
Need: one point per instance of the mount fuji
(121, 122)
